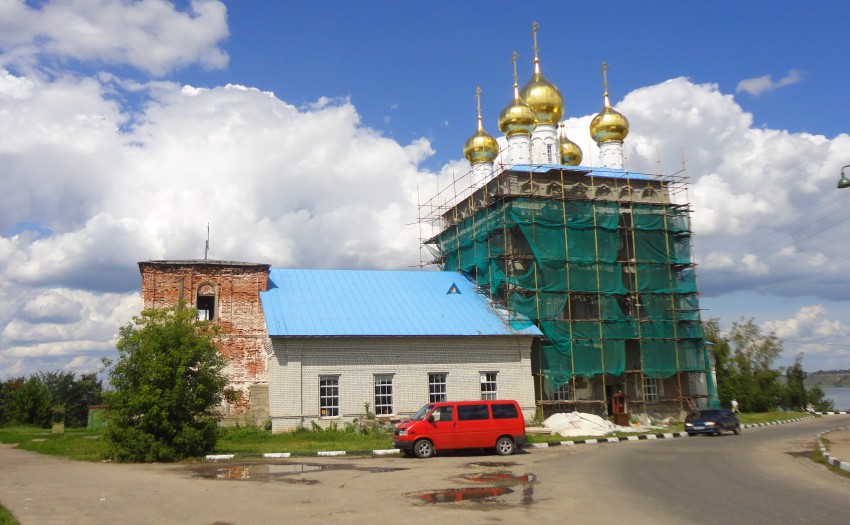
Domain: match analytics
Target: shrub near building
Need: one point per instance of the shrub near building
(167, 382)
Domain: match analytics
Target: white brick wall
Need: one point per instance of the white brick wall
(297, 363)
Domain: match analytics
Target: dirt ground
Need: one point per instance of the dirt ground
(45, 490)
(839, 444)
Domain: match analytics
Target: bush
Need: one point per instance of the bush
(168, 381)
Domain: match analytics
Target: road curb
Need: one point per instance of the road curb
(832, 460)
(771, 423)
(320, 453)
(392, 451)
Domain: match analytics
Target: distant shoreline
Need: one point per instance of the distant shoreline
(837, 379)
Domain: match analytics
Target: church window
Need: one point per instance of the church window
(206, 302)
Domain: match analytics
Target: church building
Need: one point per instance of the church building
(565, 286)
(598, 257)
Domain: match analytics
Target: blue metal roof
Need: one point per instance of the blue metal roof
(612, 173)
(379, 303)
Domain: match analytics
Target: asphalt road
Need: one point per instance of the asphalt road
(759, 477)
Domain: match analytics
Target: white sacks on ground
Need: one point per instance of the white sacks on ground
(581, 424)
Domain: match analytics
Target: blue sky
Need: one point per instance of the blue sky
(411, 68)
(305, 134)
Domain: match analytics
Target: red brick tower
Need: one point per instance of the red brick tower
(227, 293)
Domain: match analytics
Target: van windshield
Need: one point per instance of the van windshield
(419, 416)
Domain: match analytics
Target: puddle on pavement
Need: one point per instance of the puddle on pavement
(499, 478)
(469, 494)
(267, 471)
(501, 490)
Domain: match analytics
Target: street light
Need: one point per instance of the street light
(844, 182)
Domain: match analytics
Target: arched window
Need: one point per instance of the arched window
(205, 302)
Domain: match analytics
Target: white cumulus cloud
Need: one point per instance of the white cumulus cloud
(151, 35)
(759, 85)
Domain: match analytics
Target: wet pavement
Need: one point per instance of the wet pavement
(285, 471)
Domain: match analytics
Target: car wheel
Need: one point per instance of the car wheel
(505, 446)
(691, 434)
(719, 431)
(423, 449)
(737, 430)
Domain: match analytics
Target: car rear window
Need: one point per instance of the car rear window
(504, 411)
(469, 412)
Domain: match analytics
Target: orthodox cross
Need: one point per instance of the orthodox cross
(605, 76)
(534, 27)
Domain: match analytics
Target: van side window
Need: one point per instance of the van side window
(443, 414)
(469, 412)
(504, 411)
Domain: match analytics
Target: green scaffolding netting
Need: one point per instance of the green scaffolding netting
(592, 275)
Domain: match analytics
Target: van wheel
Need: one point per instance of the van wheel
(505, 446)
(423, 449)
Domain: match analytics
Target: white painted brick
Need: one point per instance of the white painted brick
(296, 364)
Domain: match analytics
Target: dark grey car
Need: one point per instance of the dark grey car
(713, 421)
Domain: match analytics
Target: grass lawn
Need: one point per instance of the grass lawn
(6, 517)
(256, 441)
(767, 417)
(85, 445)
(74, 443)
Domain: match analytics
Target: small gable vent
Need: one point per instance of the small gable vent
(453, 289)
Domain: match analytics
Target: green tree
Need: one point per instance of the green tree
(818, 399)
(27, 402)
(167, 382)
(30, 401)
(744, 359)
(796, 395)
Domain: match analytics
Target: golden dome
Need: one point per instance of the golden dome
(570, 151)
(518, 118)
(543, 97)
(609, 124)
(480, 147)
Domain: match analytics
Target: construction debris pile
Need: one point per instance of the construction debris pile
(575, 424)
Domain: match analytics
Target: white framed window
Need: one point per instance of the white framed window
(383, 395)
(564, 392)
(653, 389)
(488, 385)
(437, 387)
(549, 157)
(329, 396)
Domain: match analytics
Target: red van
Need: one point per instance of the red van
(462, 424)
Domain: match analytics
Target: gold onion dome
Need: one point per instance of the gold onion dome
(518, 118)
(543, 97)
(570, 151)
(609, 124)
(480, 147)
